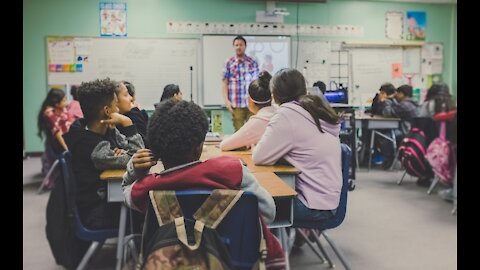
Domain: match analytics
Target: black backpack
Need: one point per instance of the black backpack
(180, 243)
(67, 248)
(411, 154)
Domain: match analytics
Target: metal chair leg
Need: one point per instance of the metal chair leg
(432, 185)
(47, 177)
(88, 255)
(337, 251)
(302, 234)
(399, 182)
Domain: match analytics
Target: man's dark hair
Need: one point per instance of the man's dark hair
(241, 38)
(406, 90)
(321, 85)
(94, 95)
(175, 129)
(388, 88)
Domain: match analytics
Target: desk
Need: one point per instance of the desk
(278, 180)
(375, 122)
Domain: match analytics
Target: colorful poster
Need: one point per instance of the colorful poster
(61, 52)
(397, 70)
(217, 123)
(113, 19)
(416, 25)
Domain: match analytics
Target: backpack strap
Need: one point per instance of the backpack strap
(217, 206)
(182, 233)
(166, 205)
(262, 250)
(443, 130)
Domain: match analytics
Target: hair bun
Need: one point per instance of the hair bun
(264, 79)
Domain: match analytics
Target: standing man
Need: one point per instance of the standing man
(239, 71)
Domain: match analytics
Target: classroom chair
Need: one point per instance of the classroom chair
(239, 229)
(98, 237)
(48, 180)
(333, 222)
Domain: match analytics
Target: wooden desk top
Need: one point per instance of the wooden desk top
(368, 116)
(211, 151)
(270, 181)
(274, 184)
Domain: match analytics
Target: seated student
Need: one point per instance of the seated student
(74, 106)
(53, 121)
(126, 107)
(321, 85)
(170, 91)
(176, 133)
(304, 132)
(385, 96)
(405, 108)
(139, 117)
(259, 103)
(438, 99)
(96, 145)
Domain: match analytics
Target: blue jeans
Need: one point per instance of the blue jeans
(303, 213)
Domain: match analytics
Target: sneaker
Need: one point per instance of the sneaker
(446, 194)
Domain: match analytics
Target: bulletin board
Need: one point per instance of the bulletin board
(370, 68)
(148, 63)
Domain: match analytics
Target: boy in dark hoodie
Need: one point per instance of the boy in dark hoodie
(405, 108)
(96, 145)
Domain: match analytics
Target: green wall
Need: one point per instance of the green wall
(148, 18)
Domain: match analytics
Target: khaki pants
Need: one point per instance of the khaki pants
(239, 117)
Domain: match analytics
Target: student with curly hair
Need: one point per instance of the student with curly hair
(176, 133)
(260, 105)
(96, 145)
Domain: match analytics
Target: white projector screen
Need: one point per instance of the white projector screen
(217, 50)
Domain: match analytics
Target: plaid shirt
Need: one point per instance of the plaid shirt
(240, 73)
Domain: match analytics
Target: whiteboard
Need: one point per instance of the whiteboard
(148, 63)
(313, 60)
(218, 49)
(371, 67)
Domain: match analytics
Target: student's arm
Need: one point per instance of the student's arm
(246, 136)
(388, 108)
(59, 136)
(275, 142)
(266, 205)
(105, 158)
(138, 166)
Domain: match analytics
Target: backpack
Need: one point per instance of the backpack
(411, 154)
(439, 155)
(180, 243)
(66, 247)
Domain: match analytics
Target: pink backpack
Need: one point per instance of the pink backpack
(440, 156)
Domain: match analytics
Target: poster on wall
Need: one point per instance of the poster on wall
(113, 19)
(416, 25)
(394, 25)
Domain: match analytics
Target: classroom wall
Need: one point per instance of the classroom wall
(148, 18)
